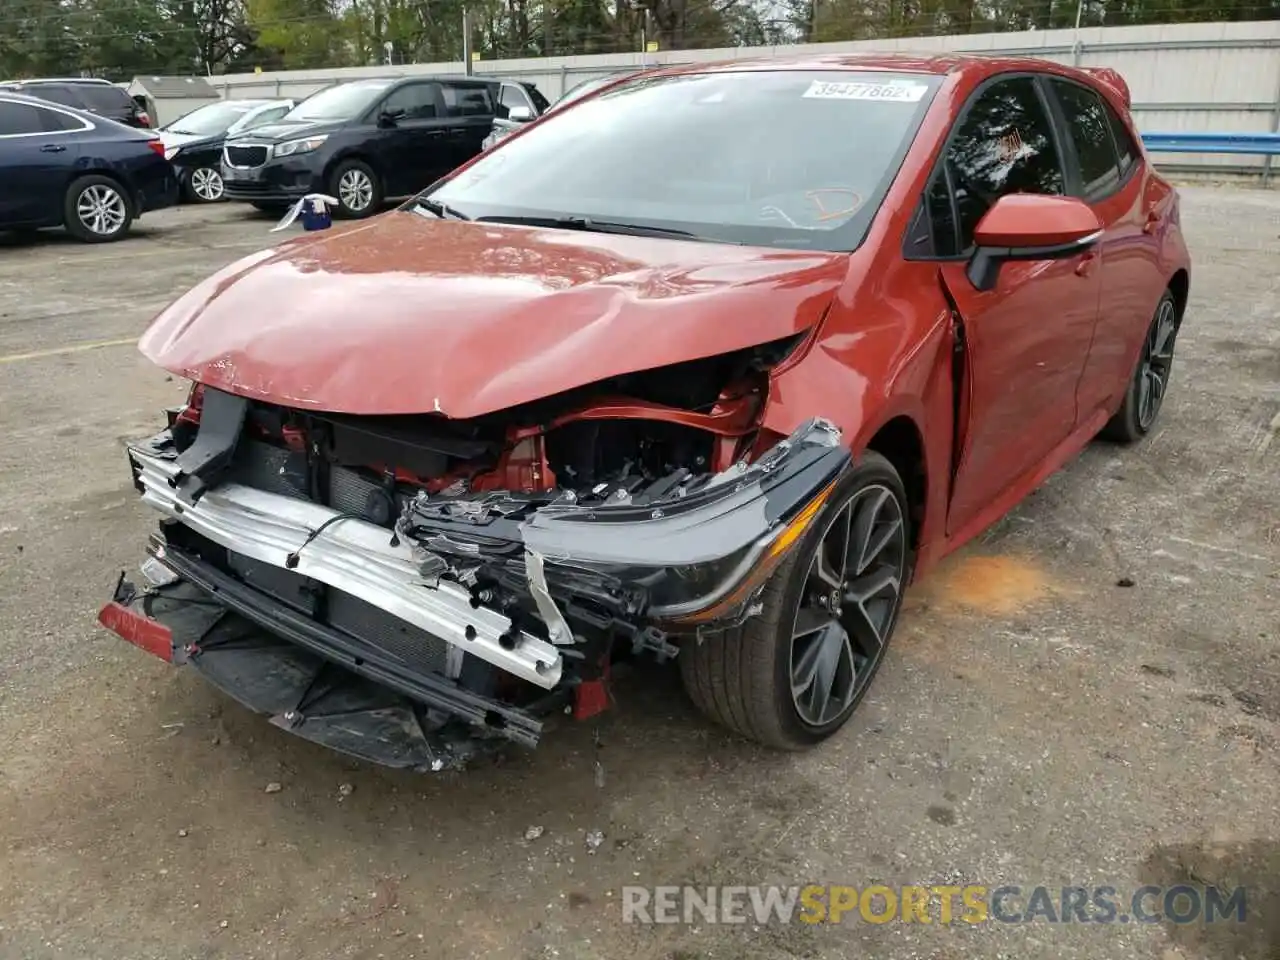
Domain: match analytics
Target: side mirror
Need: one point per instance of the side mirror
(387, 119)
(1027, 226)
(520, 114)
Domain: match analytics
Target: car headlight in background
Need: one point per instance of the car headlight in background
(291, 148)
(171, 152)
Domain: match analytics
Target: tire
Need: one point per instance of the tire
(358, 189)
(1149, 382)
(96, 209)
(204, 185)
(743, 678)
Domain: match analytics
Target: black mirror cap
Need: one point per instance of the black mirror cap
(984, 266)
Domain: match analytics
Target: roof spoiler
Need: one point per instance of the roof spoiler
(1112, 79)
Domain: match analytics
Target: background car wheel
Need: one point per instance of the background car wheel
(96, 209)
(357, 188)
(793, 674)
(204, 185)
(1150, 381)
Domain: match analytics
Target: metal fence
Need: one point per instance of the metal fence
(1201, 77)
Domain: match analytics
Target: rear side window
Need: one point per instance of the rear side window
(1090, 130)
(19, 118)
(57, 121)
(1004, 144)
(467, 101)
(1126, 150)
(539, 101)
(104, 98)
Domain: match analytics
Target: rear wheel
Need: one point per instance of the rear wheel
(96, 209)
(204, 185)
(357, 188)
(1150, 380)
(794, 673)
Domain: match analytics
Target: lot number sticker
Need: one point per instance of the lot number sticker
(892, 92)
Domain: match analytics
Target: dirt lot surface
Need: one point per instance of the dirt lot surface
(1036, 722)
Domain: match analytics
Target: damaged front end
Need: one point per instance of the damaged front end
(404, 588)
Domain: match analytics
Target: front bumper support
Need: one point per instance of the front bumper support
(348, 554)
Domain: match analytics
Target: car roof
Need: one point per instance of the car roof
(97, 81)
(899, 62)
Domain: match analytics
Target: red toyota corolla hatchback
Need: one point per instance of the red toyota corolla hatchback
(708, 365)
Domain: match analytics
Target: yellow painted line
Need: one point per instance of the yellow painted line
(71, 348)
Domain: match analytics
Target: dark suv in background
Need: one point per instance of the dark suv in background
(363, 142)
(99, 97)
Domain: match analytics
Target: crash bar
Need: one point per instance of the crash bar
(1266, 144)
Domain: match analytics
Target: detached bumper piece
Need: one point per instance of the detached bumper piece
(267, 663)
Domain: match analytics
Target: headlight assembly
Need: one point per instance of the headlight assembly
(291, 148)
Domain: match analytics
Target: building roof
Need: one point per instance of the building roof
(164, 88)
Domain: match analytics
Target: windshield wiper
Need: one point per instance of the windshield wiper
(597, 226)
(441, 210)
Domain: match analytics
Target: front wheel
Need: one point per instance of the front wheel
(96, 210)
(1150, 379)
(205, 185)
(793, 674)
(357, 188)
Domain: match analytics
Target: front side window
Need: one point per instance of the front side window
(417, 101)
(1004, 144)
(772, 158)
(1090, 132)
(513, 96)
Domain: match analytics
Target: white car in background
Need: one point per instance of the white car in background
(517, 116)
(193, 142)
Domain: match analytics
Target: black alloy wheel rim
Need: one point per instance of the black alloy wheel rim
(848, 605)
(1157, 362)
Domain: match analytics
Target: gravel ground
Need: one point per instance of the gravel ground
(1036, 723)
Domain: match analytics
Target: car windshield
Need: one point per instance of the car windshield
(339, 103)
(580, 90)
(783, 158)
(211, 120)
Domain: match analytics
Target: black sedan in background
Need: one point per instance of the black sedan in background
(65, 167)
(363, 142)
(193, 142)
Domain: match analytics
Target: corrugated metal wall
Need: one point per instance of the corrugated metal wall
(1221, 77)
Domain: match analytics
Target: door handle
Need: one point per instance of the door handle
(1087, 262)
(1152, 222)
(52, 148)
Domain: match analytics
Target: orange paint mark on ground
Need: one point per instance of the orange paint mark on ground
(994, 585)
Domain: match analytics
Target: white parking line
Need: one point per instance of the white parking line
(70, 348)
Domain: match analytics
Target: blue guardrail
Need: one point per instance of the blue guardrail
(1267, 144)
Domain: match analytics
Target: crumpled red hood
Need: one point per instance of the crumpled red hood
(411, 315)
